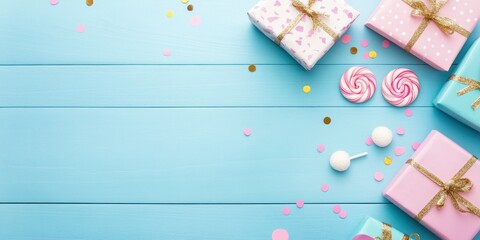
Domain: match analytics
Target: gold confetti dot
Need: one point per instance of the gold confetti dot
(190, 7)
(89, 2)
(169, 13)
(353, 50)
(327, 120)
(372, 54)
(184, 1)
(252, 68)
(387, 161)
(307, 89)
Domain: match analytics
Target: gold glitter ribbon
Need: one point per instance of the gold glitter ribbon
(446, 25)
(450, 189)
(387, 234)
(306, 10)
(472, 84)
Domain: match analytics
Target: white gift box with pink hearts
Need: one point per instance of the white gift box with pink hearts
(304, 43)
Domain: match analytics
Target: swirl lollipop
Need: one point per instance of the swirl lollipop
(400, 87)
(358, 84)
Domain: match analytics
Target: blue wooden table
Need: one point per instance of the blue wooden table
(104, 137)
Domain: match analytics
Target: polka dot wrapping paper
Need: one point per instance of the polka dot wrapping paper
(393, 19)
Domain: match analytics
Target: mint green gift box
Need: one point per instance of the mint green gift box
(460, 96)
(374, 228)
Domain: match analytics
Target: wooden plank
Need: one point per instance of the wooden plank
(191, 86)
(35, 32)
(234, 222)
(200, 155)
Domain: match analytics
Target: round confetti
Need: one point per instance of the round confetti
(399, 151)
(415, 145)
(325, 188)
(184, 1)
(307, 89)
(327, 120)
(364, 43)
(167, 52)
(247, 132)
(362, 237)
(408, 112)
(342, 214)
(190, 7)
(372, 54)
(369, 141)
(336, 209)
(400, 131)
(286, 211)
(80, 28)
(387, 160)
(280, 234)
(195, 21)
(346, 39)
(54, 2)
(353, 50)
(378, 176)
(385, 44)
(365, 55)
(300, 203)
(169, 14)
(321, 148)
(89, 2)
(252, 68)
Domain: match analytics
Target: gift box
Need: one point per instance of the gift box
(440, 187)
(306, 29)
(460, 96)
(433, 31)
(375, 229)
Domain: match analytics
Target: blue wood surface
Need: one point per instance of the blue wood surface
(103, 137)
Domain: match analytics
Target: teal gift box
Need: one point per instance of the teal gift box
(460, 96)
(374, 229)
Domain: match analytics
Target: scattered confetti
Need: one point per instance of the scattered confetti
(364, 43)
(327, 120)
(247, 132)
(167, 52)
(342, 214)
(372, 54)
(169, 14)
(362, 237)
(399, 151)
(369, 141)
(300, 203)
(353, 50)
(190, 7)
(346, 39)
(184, 1)
(325, 188)
(385, 44)
(307, 89)
(54, 2)
(280, 234)
(415, 145)
(400, 131)
(195, 21)
(336, 209)
(387, 160)
(366, 56)
(408, 112)
(80, 28)
(252, 68)
(321, 148)
(89, 2)
(378, 176)
(286, 211)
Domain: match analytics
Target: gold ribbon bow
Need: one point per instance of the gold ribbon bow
(471, 85)
(446, 25)
(387, 234)
(306, 10)
(450, 189)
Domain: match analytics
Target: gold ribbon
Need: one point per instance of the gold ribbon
(450, 189)
(306, 10)
(446, 25)
(471, 85)
(387, 234)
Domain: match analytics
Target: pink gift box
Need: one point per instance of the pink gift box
(411, 190)
(303, 43)
(393, 20)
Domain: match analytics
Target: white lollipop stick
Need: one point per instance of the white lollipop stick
(359, 155)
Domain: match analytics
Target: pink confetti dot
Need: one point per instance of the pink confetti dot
(346, 39)
(80, 28)
(195, 21)
(300, 203)
(378, 176)
(399, 151)
(369, 141)
(336, 209)
(362, 237)
(342, 214)
(325, 187)
(247, 132)
(415, 145)
(286, 211)
(280, 234)
(400, 131)
(408, 112)
(167, 52)
(321, 148)
(385, 44)
(54, 2)
(364, 43)
(366, 56)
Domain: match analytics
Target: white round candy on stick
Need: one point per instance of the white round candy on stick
(340, 160)
(382, 136)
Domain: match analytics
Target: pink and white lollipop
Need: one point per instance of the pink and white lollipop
(400, 87)
(358, 84)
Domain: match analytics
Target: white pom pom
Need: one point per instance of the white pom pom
(382, 136)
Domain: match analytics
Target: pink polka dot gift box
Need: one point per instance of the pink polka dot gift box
(306, 29)
(432, 30)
